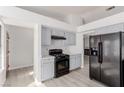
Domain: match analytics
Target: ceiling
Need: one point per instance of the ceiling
(59, 12)
(65, 13)
(63, 10)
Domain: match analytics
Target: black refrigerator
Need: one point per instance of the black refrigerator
(106, 60)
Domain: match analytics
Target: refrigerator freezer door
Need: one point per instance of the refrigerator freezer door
(110, 67)
(94, 64)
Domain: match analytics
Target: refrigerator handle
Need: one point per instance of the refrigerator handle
(100, 52)
(101, 49)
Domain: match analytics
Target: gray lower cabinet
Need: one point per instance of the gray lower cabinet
(75, 61)
(70, 38)
(47, 69)
(46, 36)
(78, 61)
(72, 62)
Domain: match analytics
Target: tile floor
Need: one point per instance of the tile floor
(24, 78)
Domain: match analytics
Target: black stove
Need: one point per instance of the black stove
(61, 62)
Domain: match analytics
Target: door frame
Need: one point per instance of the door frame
(3, 53)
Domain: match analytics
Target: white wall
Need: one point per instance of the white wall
(21, 46)
(111, 20)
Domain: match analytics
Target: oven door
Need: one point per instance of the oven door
(62, 65)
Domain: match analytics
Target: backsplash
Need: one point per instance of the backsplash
(45, 49)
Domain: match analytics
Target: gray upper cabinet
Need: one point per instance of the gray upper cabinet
(70, 38)
(46, 36)
(48, 32)
(58, 42)
(57, 32)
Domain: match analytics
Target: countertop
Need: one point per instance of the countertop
(73, 53)
(50, 57)
(47, 57)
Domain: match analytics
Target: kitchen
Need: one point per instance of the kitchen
(59, 57)
(55, 42)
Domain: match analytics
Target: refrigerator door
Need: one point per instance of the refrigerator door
(110, 67)
(94, 65)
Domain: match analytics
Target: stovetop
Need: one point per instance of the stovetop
(60, 56)
(56, 55)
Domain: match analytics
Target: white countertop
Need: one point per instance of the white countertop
(74, 53)
(50, 57)
(71, 53)
(47, 57)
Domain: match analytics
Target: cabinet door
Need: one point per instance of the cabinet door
(78, 61)
(66, 42)
(47, 70)
(46, 36)
(70, 38)
(72, 62)
(57, 32)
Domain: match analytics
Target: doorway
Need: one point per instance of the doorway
(19, 56)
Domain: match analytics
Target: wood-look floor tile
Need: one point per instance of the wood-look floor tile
(24, 78)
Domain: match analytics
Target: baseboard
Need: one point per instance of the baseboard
(20, 67)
